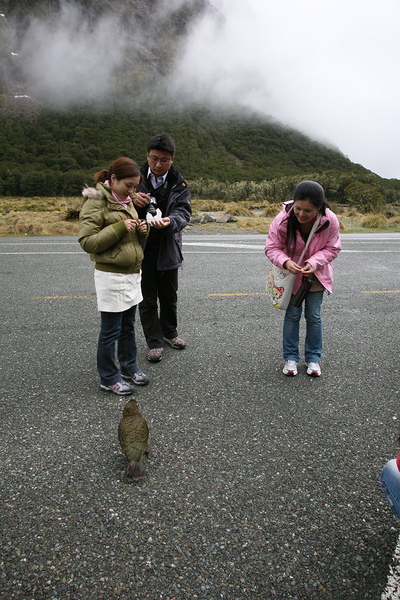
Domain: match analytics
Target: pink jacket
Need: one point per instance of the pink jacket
(324, 247)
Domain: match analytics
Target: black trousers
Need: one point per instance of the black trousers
(158, 309)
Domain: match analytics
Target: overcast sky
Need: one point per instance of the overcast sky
(329, 68)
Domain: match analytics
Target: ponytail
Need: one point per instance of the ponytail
(101, 176)
(122, 168)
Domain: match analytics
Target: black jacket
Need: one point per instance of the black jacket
(173, 199)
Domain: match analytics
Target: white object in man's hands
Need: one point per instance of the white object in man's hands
(150, 218)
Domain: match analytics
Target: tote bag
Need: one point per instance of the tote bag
(279, 287)
(280, 282)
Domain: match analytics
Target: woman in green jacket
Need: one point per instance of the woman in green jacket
(111, 232)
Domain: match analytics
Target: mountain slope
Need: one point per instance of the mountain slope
(60, 151)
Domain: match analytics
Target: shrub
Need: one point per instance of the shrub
(367, 197)
(72, 215)
(238, 210)
(374, 221)
(394, 221)
(72, 208)
(208, 205)
(271, 210)
(208, 188)
(353, 212)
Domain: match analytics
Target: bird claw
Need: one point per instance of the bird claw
(134, 471)
(127, 479)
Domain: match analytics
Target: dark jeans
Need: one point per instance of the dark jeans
(158, 287)
(116, 328)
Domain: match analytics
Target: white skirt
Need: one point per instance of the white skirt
(116, 292)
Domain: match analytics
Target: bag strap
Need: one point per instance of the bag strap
(313, 230)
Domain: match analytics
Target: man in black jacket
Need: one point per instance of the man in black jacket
(165, 189)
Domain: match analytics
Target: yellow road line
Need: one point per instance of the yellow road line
(63, 297)
(211, 295)
(265, 293)
(238, 294)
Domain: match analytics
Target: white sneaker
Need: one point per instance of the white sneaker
(313, 369)
(290, 368)
(139, 378)
(122, 388)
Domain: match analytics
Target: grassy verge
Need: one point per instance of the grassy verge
(58, 216)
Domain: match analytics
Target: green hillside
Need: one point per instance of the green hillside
(54, 153)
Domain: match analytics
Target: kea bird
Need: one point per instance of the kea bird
(133, 435)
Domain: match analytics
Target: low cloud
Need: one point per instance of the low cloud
(329, 69)
(66, 59)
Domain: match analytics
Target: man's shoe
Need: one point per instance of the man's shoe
(290, 368)
(121, 388)
(154, 354)
(138, 378)
(313, 369)
(176, 342)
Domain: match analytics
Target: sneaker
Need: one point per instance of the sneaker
(176, 342)
(313, 369)
(154, 354)
(290, 368)
(138, 378)
(121, 388)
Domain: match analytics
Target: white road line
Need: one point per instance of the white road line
(223, 245)
(392, 590)
(241, 247)
(238, 247)
(370, 251)
(219, 252)
(49, 252)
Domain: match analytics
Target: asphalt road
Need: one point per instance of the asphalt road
(259, 486)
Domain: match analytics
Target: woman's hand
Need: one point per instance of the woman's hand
(142, 226)
(292, 267)
(131, 224)
(307, 269)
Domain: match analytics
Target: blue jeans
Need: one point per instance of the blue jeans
(291, 329)
(116, 328)
(390, 481)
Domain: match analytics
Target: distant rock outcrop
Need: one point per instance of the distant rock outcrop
(226, 218)
(209, 219)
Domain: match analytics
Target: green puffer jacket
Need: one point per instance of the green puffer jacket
(103, 233)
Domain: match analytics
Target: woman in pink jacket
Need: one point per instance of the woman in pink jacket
(286, 239)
